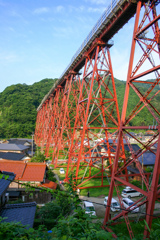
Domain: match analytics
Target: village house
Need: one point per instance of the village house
(21, 212)
(14, 156)
(7, 147)
(28, 172)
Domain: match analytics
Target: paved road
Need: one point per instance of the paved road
(100, 209)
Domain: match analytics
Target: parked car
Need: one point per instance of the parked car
(130, 192)
(115, 206)
(127, 202)
(61, 170)
(89, 208)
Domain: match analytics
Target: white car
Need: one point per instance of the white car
(61, 170)
(89, 208)
(127, 202)
(130, 192)
(115, 206)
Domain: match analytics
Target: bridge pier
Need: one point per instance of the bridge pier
(144, 59)
(80, 117)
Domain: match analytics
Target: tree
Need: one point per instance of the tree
(39, 157)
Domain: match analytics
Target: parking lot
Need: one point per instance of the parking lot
(100, 209)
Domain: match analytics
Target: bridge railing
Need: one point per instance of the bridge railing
(93, 33)
(99, 26)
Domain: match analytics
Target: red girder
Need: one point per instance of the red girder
(145, 103)
(77, 121)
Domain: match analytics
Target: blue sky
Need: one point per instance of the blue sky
(39, 37)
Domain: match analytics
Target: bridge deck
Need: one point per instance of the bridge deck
(112, 20)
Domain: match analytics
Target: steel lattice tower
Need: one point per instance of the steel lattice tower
(144, 60)
(93, 142)
(78, 121)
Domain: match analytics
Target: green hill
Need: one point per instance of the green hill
(18, 104)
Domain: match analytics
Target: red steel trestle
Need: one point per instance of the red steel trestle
(144, 61)
(93, 143)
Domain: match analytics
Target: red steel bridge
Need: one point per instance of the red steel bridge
(78, 122)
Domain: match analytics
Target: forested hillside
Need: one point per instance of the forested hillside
(18, 104)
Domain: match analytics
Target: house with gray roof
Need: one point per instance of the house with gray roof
(5, 180)
(23, 141)
(7, 147)
(13, 156)
(22, 212)
(147, 159)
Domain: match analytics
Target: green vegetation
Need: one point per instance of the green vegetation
(38, 157)
(18, 104)
(67, 221)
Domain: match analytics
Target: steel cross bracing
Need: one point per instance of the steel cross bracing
(144, 60)
(75, 123)
(93, 140)
(111, 21)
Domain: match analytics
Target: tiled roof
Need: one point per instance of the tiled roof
(135, 147)
(19, 142)
(4, 183)
(12, 147)
(20, 139)
(30, 153)
(13, 156)
(13, 166)
(49, 184)
(1, 154)
(148, 158)
(34, 172)
(22, 212)
(29, 171)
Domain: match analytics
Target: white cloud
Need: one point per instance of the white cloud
(9, 58)
(98, 2)
(59, 9)
(11, 29)
(63, 31)
(41, 10)
(99, 10)
(76, 9)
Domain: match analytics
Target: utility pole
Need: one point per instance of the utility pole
(142, 170)
(32, 143)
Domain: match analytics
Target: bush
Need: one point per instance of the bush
(51, 210)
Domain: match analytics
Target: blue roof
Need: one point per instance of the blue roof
(155, 145)
(1, 154)
(21, 139)
(115, 141)
(4, 183)
(135, 147)
(12, 156)
(12, 147)
(148, 158)
(21, 212)
(30, 153)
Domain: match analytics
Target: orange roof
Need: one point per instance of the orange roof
(49, 184)
(16, 167)
(34, 172)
